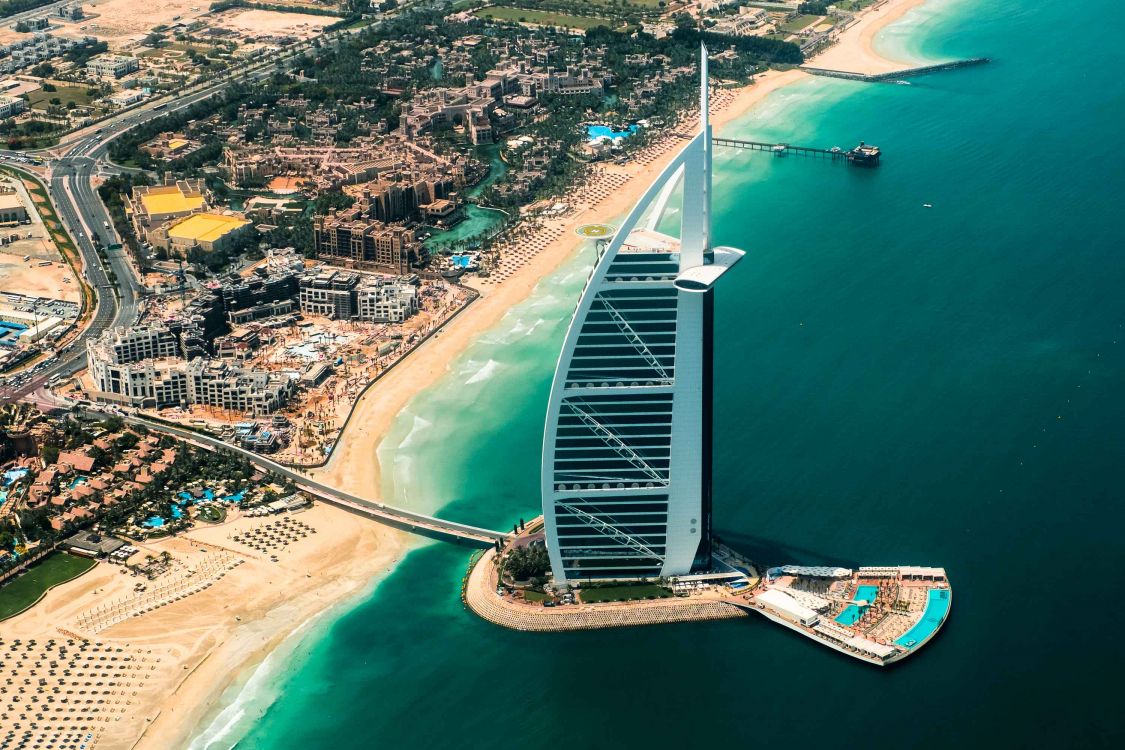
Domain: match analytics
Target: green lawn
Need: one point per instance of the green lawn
(213, 513)
(41, 99)
(26, 589)
(534, 596)
(543, 17)
(617, 593)
(798, 23)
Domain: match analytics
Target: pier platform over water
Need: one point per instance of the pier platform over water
(862, 155)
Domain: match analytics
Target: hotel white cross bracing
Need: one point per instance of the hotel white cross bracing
(627, 448)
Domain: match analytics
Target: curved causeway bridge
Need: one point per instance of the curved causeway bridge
(408, 520)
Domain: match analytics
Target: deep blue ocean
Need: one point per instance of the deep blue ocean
(896, 385)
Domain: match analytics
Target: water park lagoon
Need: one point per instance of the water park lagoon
(876, 614)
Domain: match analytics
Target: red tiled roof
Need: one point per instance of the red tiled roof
(79, 461)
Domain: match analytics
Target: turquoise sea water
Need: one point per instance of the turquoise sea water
(898, 385)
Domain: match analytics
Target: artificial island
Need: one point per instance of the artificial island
(626, 475)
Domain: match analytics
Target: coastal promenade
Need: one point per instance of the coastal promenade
(407, 520)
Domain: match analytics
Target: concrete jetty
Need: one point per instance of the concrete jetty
(895, 75)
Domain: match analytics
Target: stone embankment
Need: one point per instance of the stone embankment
(480, 597)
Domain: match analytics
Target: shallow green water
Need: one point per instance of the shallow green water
(897, 385)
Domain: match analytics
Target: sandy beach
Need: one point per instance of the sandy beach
(855, 52)
(191, 646)
(206, 641)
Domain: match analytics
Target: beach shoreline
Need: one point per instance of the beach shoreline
(238, 649)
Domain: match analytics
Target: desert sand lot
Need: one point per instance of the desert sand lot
(121, 21)
(20, 277)
(252, 23)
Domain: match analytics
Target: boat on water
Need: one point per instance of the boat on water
(781, 149)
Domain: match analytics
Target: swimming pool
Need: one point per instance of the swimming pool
(154, 523)
(77, 481)
(851, 615)
(14, 475)
(597, 132)
(937, 607)
(235, 498)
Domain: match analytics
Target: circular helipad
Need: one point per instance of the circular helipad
(595, 231)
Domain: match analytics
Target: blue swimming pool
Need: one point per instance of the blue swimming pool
(937, 607)
(14, 475)
(851, 615)
(597, 132)
(235, 498)
(154, 523)
(77, 481)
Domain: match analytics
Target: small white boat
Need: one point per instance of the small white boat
(927, 205)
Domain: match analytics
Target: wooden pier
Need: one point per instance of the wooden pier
(895, 75)
(861, 155)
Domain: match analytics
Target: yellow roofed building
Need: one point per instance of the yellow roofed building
(152, 206)
(207, 231)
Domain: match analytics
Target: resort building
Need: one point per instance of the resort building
(347, 295)
(143, 368)
(626, 477)
(12, 210)
(208, 231)
(125, 345)
(151, 206)
(364, 243)
(745, 23)
(11, 106)
(386, 301)
(113, 66)
(331, 294)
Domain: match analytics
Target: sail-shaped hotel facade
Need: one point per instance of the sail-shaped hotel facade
(627, 447)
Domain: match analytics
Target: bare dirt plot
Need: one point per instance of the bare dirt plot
(120, 21)
(253, 22)
(28, 277)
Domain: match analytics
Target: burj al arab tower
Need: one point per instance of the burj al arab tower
(627, 447)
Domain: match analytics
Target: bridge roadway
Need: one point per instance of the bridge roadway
(407, 520)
